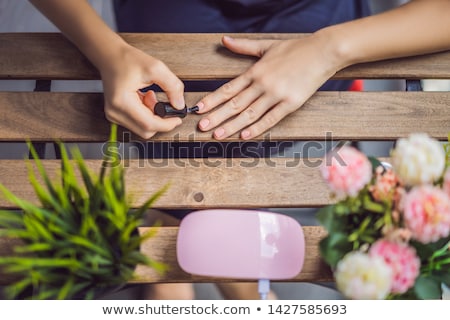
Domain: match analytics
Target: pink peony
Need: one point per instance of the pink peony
(447, 182)
(347, 172)
(403, 261)
(427, 213)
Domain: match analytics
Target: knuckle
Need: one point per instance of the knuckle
(227, 88)
(279, 92)
(158, 66)
(111, 115)
(270, 120)
(146, 134)
(146, 131)
(116, 103)
(292, 102)
(178, 85)
(251, 114)
(233, 104)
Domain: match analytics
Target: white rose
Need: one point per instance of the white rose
(418, 159)
(360, 276)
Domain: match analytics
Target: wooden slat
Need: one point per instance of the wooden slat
(162, 248)
(190, 56)
(43, 116)
(206, 183)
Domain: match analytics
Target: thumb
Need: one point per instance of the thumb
(248, 47)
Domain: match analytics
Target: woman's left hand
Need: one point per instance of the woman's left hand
(288, 73)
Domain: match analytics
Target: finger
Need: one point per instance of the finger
(249, 47)
(270, 119)
(224, 93)
(141, 120)
(171, 85)
(234, 106)
(248, 116)
(149, 100)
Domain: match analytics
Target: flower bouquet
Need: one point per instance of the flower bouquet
(389, 230)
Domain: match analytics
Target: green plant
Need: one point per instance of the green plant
(82, 237)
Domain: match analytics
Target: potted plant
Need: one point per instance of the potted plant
(82, 238)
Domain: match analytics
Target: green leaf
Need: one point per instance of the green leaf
(41, 169)
(373, 206)
(89, 245)
(427, 288)
(325, 216)
(442, 276)
(9, 219)
(334, 247)
(17, 288)
(85, 174)
(64, 292)
(34, 247)
(375, 163)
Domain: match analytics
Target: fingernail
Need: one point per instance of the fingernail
(200, 106)
(179, 104)
(219, 132)
(245, 134)
(228, 38)
(204, 123)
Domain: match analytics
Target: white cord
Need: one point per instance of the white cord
(263, 288)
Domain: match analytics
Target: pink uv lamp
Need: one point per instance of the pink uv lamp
(240, 244)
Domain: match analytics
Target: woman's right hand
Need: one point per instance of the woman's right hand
(123, 74)
(124, 69)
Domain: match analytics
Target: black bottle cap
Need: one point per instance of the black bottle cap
(166, 110)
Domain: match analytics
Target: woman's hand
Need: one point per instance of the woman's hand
(288, 73)
(123, 75)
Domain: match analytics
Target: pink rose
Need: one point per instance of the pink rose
(403, 261)
(427, 213)
(347, 172)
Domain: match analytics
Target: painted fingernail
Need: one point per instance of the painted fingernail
(204, 123)
(219, 132)
(200, 106)
(245, 134)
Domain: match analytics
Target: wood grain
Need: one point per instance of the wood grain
(201, 183)
(190, 56)
(162, 248)
(41, 116)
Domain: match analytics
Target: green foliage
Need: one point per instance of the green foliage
(82, 238)
(351, 223)
(447, 152)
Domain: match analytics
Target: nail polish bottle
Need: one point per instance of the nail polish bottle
(166, 110)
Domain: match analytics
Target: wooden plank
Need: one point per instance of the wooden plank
(79, 117)
(190, 56)
(206, 183)
(162, 248)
